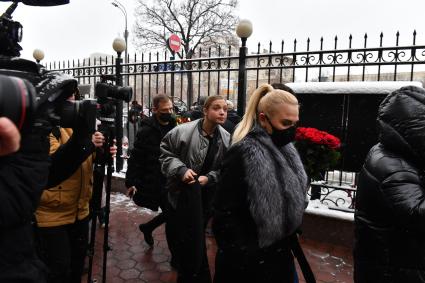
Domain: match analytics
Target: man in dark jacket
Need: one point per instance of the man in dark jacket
(144, 179)
(390, 201)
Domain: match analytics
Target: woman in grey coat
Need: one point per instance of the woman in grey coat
(190, 157)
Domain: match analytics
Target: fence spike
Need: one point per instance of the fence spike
(308, 44)
(365, 40)
(397, 37)
(350, 40)
(295, 45)
(414, 37)
(270, 46)
(282, 46)
(381, 36)
(321, 43)
(258, 49)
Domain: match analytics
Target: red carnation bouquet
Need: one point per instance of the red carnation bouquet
(319, 151)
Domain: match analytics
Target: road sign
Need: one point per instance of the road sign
(174, 42)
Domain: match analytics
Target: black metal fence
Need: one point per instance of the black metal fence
(215, 70)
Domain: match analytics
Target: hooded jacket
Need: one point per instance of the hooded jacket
(69, 201)
(390, 201)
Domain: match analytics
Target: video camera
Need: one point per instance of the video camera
(108, 95)
(29, 91)
(18, 102)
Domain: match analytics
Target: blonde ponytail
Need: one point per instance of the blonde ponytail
(250, 116)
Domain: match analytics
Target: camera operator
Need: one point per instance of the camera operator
(63, 216)
(26, 173)
(10, 137)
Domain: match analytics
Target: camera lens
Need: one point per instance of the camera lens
(75, 112)
(17, 100)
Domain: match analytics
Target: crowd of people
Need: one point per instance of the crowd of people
(241, 175)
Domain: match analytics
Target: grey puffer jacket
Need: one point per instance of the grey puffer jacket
(185, 148)
(390, 200)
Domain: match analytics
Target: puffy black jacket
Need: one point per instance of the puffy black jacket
(390, 201)
(144, 170)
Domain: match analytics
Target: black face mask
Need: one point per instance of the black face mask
(282, 137)
(166, 117)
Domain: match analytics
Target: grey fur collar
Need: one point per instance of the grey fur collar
(277, 186)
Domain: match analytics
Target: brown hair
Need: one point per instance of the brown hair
(211, 99)
(159, 98)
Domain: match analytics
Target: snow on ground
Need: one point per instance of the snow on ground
(315, 207)
(122, 200)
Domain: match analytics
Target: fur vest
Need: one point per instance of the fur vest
(276, 186)
(261, 195)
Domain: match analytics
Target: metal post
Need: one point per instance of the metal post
(119, 114)
(242, 78)
(172, 76)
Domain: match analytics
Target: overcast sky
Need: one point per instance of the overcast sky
(83, 27)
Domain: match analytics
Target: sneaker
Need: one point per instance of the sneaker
(147, 233)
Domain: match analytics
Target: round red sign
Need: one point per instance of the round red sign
(174, 43)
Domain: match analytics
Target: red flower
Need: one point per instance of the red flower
(318, 137)
(318, 150)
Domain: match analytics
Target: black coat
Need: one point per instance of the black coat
(390, 200)
(144, 169)
(23, 176)
(259, 202)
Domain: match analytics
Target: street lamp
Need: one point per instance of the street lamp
(243, 30)
(38, 55)
(120, 6)
(119, 46)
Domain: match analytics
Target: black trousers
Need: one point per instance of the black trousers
(63, 249)
(186, 225)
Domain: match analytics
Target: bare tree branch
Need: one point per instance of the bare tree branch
(196, 22)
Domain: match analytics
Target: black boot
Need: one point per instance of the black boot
(147, 233)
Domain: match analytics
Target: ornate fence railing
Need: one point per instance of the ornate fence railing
(215, 71)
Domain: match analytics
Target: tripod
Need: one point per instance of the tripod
(103, 157)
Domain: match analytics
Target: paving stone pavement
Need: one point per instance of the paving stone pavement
(132, 260)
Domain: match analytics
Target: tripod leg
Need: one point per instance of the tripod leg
(98, 176)
(106, 247)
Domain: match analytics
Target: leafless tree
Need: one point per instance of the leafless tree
(196, 22)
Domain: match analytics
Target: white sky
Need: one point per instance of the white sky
(83, 27)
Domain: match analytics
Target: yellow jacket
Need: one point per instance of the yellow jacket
(69, 201)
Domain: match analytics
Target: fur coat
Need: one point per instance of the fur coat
(260, 199)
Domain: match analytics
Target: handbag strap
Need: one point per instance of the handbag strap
(302, 261)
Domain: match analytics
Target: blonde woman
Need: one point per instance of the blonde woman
(260, 199)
